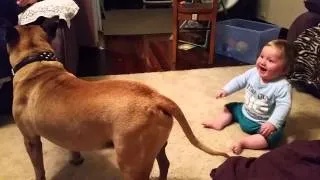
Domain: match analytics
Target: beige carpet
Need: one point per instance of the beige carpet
(194, 91)
(138, 21)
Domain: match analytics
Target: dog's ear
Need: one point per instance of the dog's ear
(50, 26)
(12, 35)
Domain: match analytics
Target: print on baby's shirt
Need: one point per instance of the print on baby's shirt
(256, 104)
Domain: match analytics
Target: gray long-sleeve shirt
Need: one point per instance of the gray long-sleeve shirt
(263, 101)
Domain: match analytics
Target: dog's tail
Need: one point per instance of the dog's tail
(170, 107)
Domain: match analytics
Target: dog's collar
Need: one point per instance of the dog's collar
(42, 56)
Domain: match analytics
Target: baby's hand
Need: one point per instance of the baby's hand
(266, 129)
(221, 93)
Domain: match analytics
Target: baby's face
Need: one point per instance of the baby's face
(271, 64)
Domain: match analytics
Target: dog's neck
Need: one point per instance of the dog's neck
(41, 56)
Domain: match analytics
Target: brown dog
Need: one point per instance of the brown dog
(81, 115)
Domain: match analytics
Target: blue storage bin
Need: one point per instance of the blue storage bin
(243, 39)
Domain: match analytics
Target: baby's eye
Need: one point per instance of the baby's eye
(271, 60)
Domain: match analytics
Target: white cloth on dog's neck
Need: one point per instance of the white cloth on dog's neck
(65, 9)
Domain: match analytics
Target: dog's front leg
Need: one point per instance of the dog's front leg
(34, 149)
(76, 158)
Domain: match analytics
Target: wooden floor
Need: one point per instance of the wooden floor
(142, 53)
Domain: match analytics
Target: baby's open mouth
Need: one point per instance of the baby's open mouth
(262, 69)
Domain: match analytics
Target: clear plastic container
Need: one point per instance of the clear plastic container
(243, 39)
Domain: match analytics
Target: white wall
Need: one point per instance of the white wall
(280, 12)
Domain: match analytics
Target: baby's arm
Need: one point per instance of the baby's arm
(238, 82)
(282, 108)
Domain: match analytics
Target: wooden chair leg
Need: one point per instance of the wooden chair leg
(213, 20)
(174, 48)
(212, 43)
(175, 31)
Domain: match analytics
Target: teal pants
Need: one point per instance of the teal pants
(251, 127)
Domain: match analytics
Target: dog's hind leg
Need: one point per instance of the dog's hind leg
(76, 158)
(135, 162)
(136, 153)
(163, 162)
(34, 149)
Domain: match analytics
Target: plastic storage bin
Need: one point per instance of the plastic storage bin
(243, 39)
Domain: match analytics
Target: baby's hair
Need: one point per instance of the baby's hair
(288, 51)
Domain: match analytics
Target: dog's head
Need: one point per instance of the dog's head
(26, 40)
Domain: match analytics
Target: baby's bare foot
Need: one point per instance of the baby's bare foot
(237, 148)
